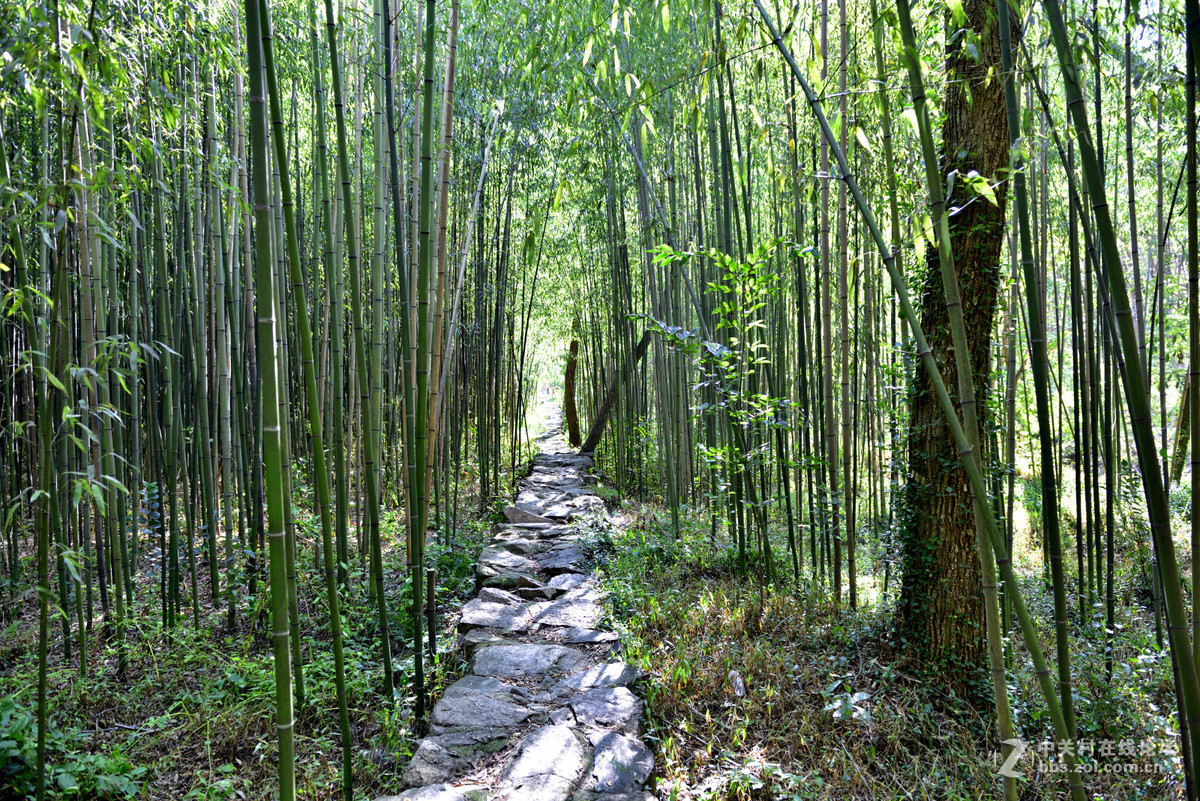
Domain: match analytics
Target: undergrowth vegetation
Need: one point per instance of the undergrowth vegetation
(762, 692)
(193, 717)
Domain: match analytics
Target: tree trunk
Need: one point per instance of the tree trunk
(610, 397)
(570, 412)
(941, 610)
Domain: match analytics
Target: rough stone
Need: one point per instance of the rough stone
(522, 546)
(562, 559)
(556, 532)
(478, 613)
(609, 707)
(577, 460)
(543, 497)
(591, 795)
(439, 758)
(502, 560)
(563, 716)
(526, 659)
(568, 581)
(477, 637)
(622, 764)
(512, 581)
(550, 750)
(478, 701)
(561, 481)
(497, 596)
(542, 593)
(514, 514)
(589, 636)
(559, 511)
(520, 528)
(613, 674)
(544, 787)
(441, 792)
(577, 613)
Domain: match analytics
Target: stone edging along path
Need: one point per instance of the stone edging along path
(547, 712)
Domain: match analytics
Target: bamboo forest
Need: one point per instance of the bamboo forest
(522, 400)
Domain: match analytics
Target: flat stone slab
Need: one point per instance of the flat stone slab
(568, 581)
(553, 480)
(542, 497)
(477, 637)
(589, 636)
(609, 707)
(519, 660)
(622, 764)
(613, 674)
(550, 750)
(501, 560)
(512, 581)
(562, 559)
(573, 507)
(522, 546)
(514, 514)
(501, 528)
(441, 792)
(538, 593)
(559, 511)
(478, 701)
(575, 613)
(544, 787)
(545, 532)
(478, 613)
(498, 596)
(578, 460)
(441, 757)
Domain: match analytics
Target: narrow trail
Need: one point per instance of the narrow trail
(547, 712)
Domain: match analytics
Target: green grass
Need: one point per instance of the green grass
(762, 693)
(194, 716)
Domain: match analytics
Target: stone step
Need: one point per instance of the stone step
(527, 660)
(545, 767)
(478, 701)
(541, 716)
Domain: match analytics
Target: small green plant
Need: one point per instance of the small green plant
(18, 740)
(104, 776)
(219, 789)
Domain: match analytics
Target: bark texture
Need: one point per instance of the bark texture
(941, 608)
(570, 411)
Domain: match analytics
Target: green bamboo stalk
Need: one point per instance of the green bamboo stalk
(1036, 331)
(970, 463)
(966, 382)
(315, 426)
(370, 475)
(271, 439)
(1133, 377)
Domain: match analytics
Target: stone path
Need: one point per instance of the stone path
(547, 713)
